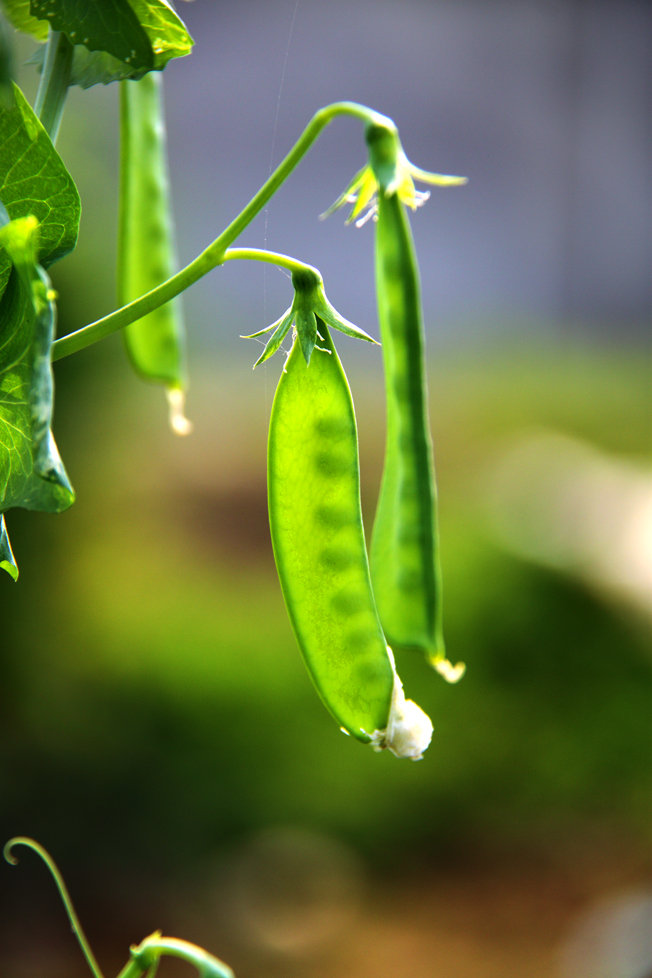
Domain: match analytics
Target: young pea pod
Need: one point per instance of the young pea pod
(319, 548)
(404, 553)
(146, 256)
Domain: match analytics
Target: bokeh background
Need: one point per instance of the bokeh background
(159, 733)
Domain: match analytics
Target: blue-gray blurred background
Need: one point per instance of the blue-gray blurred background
(159, 733)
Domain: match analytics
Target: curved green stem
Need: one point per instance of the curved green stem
(271, 258)
(215, 253)
(54, 83)
(314, 128)
(148, 952)
(204, 263)
(20, 840)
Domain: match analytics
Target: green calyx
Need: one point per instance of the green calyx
(389, 172)
(309, 307)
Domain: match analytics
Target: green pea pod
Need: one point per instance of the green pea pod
(404, 556)
(319, 547)
(146, 257)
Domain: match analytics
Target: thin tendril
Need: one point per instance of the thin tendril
(20, 840)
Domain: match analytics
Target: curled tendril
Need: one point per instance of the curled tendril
(145, 957)
(45, 856)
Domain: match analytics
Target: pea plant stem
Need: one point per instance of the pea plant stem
(54, 83)
(314, 128)
(217, 252)
(269, 257)
(205, 262)
(148, 952)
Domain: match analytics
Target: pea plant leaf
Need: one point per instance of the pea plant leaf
(31, 472)
(90, 67)
(96, 68)
(34, 180)
(166, 31)
(18, 13)
(7, 560)
(111, 26)
(116, 39)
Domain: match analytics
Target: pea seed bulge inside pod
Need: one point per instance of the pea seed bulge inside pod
(321, 557)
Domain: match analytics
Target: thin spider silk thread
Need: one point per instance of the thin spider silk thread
(272, 153)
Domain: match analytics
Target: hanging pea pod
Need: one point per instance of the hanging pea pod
(155, 343)
(404, 553)
(319, 548)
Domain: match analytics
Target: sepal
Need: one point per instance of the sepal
(309, 307)
(389, 172)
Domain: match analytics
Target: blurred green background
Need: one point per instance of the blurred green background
(160, 735)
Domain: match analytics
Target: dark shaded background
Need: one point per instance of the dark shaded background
(159, 733)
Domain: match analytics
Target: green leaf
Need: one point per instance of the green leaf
(7, 561)
(98, 68)
(167, 33)
(18, 13)
(31, 472)
(90, 67)
(116, 39)
(111, 26)
(34, 180)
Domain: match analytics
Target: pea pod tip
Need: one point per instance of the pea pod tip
(451, 673)
(409, 728)
(179, 423)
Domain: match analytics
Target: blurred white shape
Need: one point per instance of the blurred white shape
(292, 889)
(612, 939)
(562, 503)
(176, 399)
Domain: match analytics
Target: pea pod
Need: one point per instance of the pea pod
(404, 549)
(146, 258)
(319, 548)
(404, 546)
